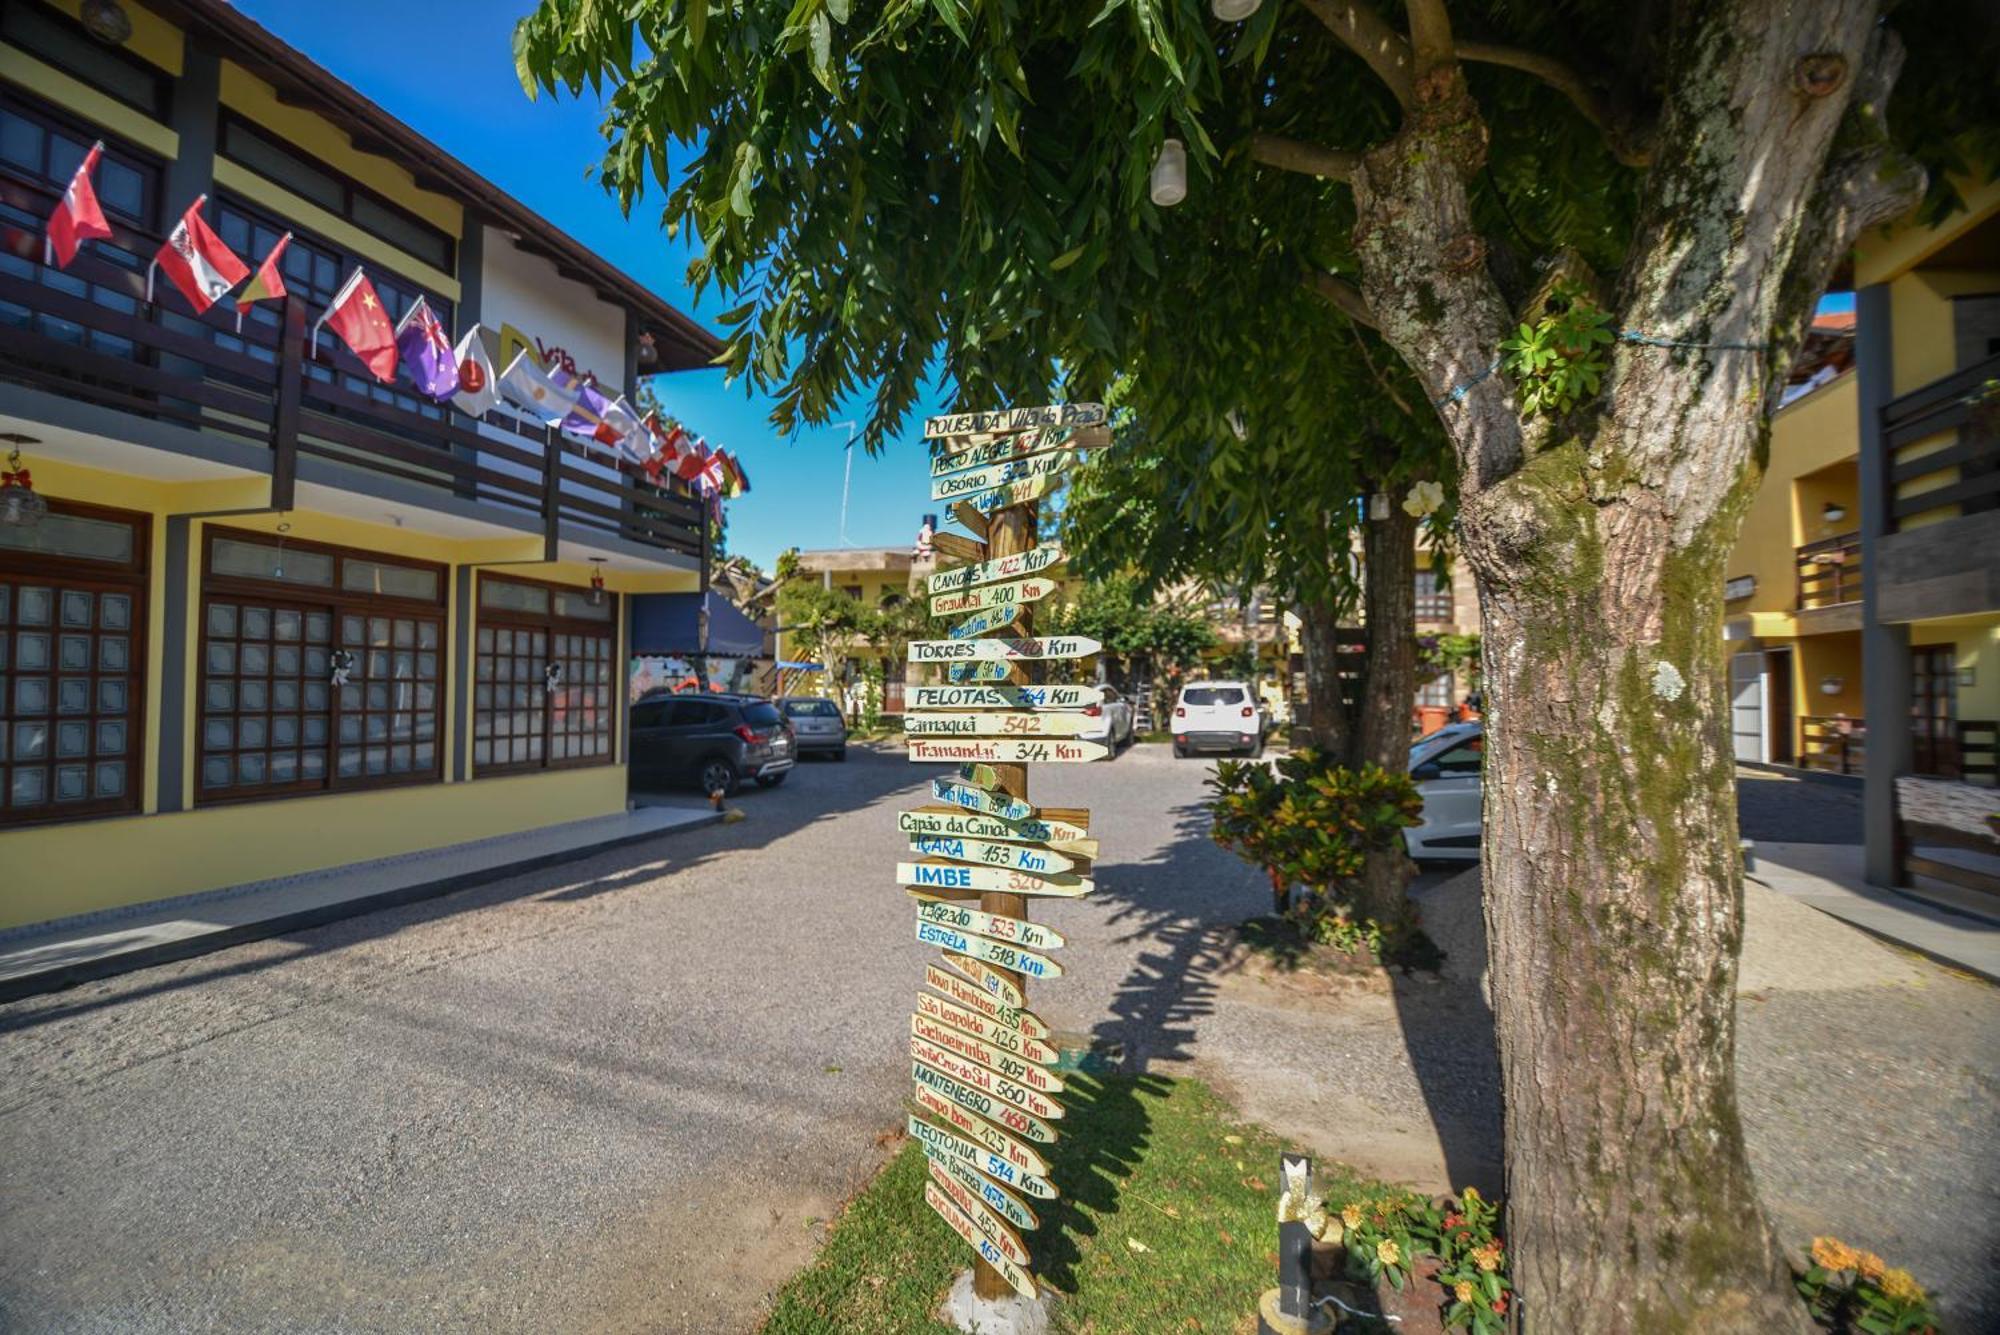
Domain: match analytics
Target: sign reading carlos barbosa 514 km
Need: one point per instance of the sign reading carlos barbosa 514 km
(985, 851)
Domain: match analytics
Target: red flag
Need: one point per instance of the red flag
(693, 462)
(357, 316)
(269, 284)
(201, 266)
(78, 218)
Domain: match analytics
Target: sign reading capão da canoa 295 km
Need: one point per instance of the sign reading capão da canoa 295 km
(979, 701)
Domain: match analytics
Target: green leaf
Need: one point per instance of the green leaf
(1067, 258)
(820, 33)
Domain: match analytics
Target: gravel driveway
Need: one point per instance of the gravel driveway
(625, 1094)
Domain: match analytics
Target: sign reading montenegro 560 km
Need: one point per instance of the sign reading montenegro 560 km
(993, 700)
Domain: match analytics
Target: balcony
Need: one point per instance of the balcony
(1832, 745)
(1829, 572)
(1940, 552)
(87, 335)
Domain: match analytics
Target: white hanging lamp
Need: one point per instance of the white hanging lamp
(1169, 181)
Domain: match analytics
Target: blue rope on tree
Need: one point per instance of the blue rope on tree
(1464, 387)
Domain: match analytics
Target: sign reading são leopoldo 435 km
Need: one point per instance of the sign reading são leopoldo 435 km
(980, 1059)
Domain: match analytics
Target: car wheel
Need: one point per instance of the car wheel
(841, 754)
(771, 780)
(717, 774)
(1180, 752)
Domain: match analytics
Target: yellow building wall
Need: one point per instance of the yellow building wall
(1977, 644)
(1817, 658)
(84, 866)
(1807, 435)
(73, 95)
(1840, 486)
(153, 39)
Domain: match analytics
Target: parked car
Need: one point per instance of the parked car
(817, 725)
(1446, 767)
(1217, 716)
(712, 740)
(1111, 719)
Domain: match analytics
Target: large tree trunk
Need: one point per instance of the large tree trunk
(1327, 720)
(1382, 737)
(1613, 879)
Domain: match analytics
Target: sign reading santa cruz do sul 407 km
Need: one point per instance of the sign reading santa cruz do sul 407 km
(981, 1061)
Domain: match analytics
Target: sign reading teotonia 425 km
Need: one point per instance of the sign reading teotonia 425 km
(1015, 419)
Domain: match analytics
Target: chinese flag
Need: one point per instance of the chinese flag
(78, 218)
(357, 316)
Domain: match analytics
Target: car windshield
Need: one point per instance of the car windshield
(811, 709)
(761, 714)
(1212, 695)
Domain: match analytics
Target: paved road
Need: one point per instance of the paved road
(625, 1094)
(1782, 809)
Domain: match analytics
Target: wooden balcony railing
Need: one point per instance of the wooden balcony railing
(1964, 403)
(1836, 745)
(1830, 571)
(94, 338)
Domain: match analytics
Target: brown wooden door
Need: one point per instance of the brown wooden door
(1778, 673)
(1934, 710)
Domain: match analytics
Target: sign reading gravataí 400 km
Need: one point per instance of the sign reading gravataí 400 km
(996, 701)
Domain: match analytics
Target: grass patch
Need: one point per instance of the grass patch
(1142, 1159)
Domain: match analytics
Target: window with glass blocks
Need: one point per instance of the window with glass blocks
(321, 688)
(72, 665)
(542, 677)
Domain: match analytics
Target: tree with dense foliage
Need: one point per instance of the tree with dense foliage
(1138, 628)
(1594, 233)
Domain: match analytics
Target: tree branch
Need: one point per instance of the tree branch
(1342, 295)
(1296, 155)
(1630, 149)
(1362, 30)
(1430, 34)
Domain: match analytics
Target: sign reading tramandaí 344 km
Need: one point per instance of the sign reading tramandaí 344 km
(981, 1061)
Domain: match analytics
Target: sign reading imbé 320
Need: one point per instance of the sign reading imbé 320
(943, 876)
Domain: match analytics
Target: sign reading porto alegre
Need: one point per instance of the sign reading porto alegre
(990, 448)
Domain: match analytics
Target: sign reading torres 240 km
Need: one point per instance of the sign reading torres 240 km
(980, 1058)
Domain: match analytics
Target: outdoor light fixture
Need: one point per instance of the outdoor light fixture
(597, 582)
(1170, 174)
(1832, 685)
(20, 507)
(1833, 512)
(1235, 11)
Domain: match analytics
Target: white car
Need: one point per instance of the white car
(1111, 719)
(1218, 716)
(1446, 766)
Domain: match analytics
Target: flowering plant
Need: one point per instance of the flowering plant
(1474, 1269)
(1848, 1289)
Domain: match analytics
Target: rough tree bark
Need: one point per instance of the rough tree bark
(1382, 736)
(1327, 721)
(1613, 878)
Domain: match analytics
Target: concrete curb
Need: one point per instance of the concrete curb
(57, 977)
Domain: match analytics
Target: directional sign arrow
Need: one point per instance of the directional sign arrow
(991, 1252)
(981, 450)
(1019, 493)
(985, 623)
(977, 1101)
(984, 1080)
(993, 595)
(1008, 672)
(966, 513)
(1000, 697)
(1014, 419)
(959, 548)
(981, 1132)
(950, 876)
(994, 1059)
(1009, 751)
(996, 724)
(972, 481)
(995, 1166)
(1000, 1200)
(985, 975)
(999, 953)
(987, 803)
(1014, 931)
(966, 651)
(992, 1031)
(994, 1009)
(1031, 562)
(1021, 857)
(1062, 836)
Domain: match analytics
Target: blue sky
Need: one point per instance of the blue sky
(452, 78)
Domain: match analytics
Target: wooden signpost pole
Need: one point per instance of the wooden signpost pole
(1008, 533)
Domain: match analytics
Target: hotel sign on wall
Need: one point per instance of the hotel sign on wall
(980, 1059)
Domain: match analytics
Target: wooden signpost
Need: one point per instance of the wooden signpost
(981, 1060)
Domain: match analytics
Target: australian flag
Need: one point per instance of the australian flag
(426, 352)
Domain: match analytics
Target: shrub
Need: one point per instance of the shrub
(1308, 822)
(1852, 1290)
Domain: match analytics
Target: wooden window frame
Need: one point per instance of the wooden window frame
(132, 577)
(337, 600)
(550, 624)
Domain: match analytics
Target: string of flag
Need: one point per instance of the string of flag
(203, 269)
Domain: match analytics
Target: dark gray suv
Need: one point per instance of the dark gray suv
(711, 740)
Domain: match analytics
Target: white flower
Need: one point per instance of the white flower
(1424, 498)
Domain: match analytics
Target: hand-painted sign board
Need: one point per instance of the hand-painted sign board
(1007, 672)
(1019, 493)
(1031, 562)
(979, 776)
(966, 513)
(984, 1080)
(988, 448)
(1015, 419)
(993, 595)
(1062, 836)
(966, 651)
(1025, 962)
(958, 548)
(1000, 697)
(995, 1166)
(993, 723)
(984, 1218)
(969, 996)
(982, 1132)
(987, 622)
(946, 876)
(985, 1105)
(952, 486)
(1001, 1201)
(1021, 857)
(999, 984)
(999, 1035)
(987, 803)
(1008, 751)
(946, 1039)
(1014, 931)
(1017, 1278)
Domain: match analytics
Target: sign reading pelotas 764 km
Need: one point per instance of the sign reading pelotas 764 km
(981, 1060)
